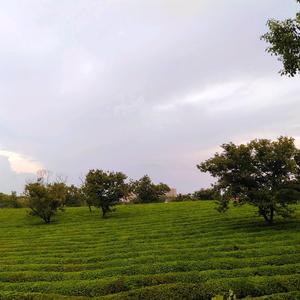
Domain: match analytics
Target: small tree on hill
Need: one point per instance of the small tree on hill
(205, 194)
(45, 199)
(262, 173)
(104, 189)
(14, 200)
(184, 197)
(74, 196)
(146, 191)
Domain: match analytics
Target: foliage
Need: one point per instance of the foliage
(183, 197)
(23, 201)
(172, 251)
(45, 198)
(206, 194)
(284, 40)
(74, 196)
(262, 173)
(147, 192)
(202, 194)
(10, 201)
(104, 189)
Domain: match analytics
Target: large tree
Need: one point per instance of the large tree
(263, 173)
(284, 40)
(104, 189)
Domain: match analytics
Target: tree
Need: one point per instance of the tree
(284, 40)
(263, 173)
(74, 196)
(205, 194)
(184, 197)
(14, 200)
(104, 189)
(45, 198)
(10, 201)
(146, 191)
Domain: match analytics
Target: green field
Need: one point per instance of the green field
(155, 251)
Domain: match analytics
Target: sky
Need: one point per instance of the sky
(143, 87)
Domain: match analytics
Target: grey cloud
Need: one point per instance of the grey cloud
(81, 83)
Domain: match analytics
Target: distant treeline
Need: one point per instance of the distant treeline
(76, 198)
(12, 200)
(202, 194)
(262, 173)
(100, 189)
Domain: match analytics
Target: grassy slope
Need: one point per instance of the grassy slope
(159, 251)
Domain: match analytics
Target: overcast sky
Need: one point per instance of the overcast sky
(144, 87)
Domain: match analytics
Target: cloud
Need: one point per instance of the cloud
(247, 94)
(210, 94)
(20, 163)
(149, 86)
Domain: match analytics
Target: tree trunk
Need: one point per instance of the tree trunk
(267, 218)
(47, 220)
(271, 214)
(103, 212)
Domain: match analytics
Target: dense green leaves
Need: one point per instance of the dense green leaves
(206, 194)
(284, 40)
(263, 173)
(11, 200)
(74, 196)
(104, 189)
(44, 199)
(147, 192)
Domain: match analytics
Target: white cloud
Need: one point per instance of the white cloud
(20, 163)
(246, 94)
(210, 94)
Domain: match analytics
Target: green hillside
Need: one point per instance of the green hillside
(155, 251)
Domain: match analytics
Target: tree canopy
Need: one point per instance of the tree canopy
(284, 40)
(263, 173)
(205, 194)
(74, 196)
(146, 191)
(104, 189)
(45, 198)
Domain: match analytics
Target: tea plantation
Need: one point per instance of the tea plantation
(155, 251)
